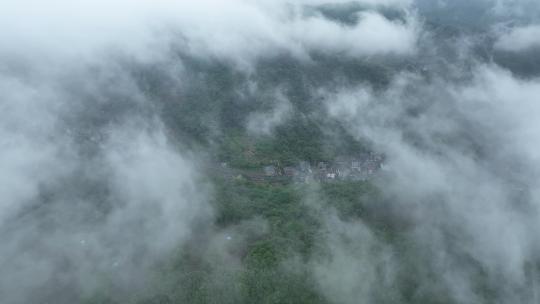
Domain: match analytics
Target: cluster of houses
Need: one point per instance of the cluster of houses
(357, 168)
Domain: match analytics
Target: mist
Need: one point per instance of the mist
(187, 151)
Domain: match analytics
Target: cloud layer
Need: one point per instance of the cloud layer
(97, 189)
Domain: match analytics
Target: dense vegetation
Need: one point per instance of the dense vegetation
(269, 270)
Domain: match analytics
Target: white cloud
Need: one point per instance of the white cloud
(373, 35)
(90, 184)
(519, 39)
(265, 122)
(359, 264)
(464, 159)
(240, 31)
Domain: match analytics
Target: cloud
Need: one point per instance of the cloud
(372, 35)
(522, 9)
(263, 123)
(72, 220)
(92, 187)
(238, 31)
(463, 161)
(96, 190)
(519, 39)
(358, 267)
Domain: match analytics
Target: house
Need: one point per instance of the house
(289, 171)
(304, 166)
(270, 171)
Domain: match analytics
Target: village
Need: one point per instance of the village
(344, 168)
